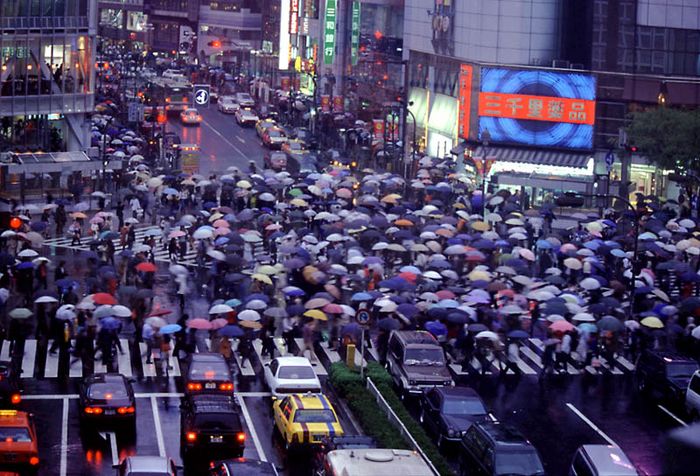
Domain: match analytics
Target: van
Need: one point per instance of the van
(692, 396)
(601, 460)
(375, 462)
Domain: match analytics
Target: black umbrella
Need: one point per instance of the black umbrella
(388, 324)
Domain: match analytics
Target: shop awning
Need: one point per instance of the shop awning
(443, 115)
(537, 157)
(56, 162)
(419, 108)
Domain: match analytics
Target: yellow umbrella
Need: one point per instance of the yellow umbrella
(480, 226)
(250, 324)
(391, 198)
(653, 322)
(267, 270)
(78, 215)
(298, 202)
(262, 278)
(477, 275)
(243, 184)
(316, 314)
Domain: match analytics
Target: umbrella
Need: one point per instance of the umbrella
(170, 329)
(316, 303)
(652, 322)
(249, 315)
(199, 323)
(20, 313)
(146, 267)
(590, 284)
(103, 298)
(156, 322)
(28, 253)
(110, 323)
(103, 311)
(610, 323)
(518, 334)
(388, 324)
(45, 300)
(231, 330)
(573, 263)
(121, 311)
(251, 324)
(220, 309)
(487, 335)
(561, 326)
(294, 291)
(159, 311)
(316, 314)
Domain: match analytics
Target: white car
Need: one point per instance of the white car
(153, 465)
(173, 74)
(245, 100)
(245, 116)
(286, 375)
(227, 105)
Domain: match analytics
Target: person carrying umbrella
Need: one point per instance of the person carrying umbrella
(76, 231)
(165, 348)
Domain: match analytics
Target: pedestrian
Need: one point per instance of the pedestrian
(76, 231)
(165, 348)
(41, 275)
(309, 337)
(172, 250)
(148, 336)
(548, 357)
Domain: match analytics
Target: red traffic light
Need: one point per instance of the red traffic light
(161, 119)
(15, 223)
(215, 44)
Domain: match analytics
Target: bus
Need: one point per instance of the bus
(176, 95)
(375, 462)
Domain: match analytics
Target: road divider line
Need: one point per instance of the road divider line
(63, 471)
(159, 428)
(251, 430)
(669, 413)
(224, 138)
(240, 139)
(591, 424)
(74, 396)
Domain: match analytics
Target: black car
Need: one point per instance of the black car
(249, 467)
(665, 374)
(211, 426)
(495, 449)
(448, 412)
(107, 398)
(10, 395)
(208, 372)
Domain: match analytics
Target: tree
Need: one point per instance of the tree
(670, 138)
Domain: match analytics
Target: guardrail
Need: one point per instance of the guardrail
(396, 421)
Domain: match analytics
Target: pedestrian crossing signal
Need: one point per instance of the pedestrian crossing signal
(15, 223)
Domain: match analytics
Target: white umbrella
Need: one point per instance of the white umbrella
(249, 315)
(46, 300)
(590, 284)
(220, 309)
(256, 304)
(121, 311)
(202, 233)
(216, 254)
(28, 253)
(103, 311)
(584, 317)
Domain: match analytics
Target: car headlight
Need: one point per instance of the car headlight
(412, 382)
(449, 383)
(451, 433)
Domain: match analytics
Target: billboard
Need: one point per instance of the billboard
(329, 33)
(538, 108)
(465, 96)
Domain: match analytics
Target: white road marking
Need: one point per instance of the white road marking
(28, 358)
(124, 360)
(5, 354)
(51, 367)
(149, 370)
(159, 428)
(492, 417)
(64, 439)
(73, 396)
(668, 412)
(111, 437)
(76, 367)
(240, 139)
(224, 138)
(591, 424)
(251, 430)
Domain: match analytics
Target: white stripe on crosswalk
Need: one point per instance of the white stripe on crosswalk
(149, 370)
(28, 359)
(174, 365)
(530, 354)
(51, 367)
(5, 354)
(124, 359)
(318, 366)
(76, 368)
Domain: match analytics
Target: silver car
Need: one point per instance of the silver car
(150, 465)
(227, 105)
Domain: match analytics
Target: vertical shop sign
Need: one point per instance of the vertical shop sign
(329, 32)
(294, 17)
(355, 33)
(465, 100)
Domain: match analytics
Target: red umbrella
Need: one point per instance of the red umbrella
(103, 298)
(199, 323)
(146, 267)
(218, 323)
(445, 294)
(410, 277)
(333, 308)
(159, 312)
(561, 326)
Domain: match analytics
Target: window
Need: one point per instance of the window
(695, 384)
(314, 416)
(295, 371)
(580, 467)
(274, 365)
(16, 434)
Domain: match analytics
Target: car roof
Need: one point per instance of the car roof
(416, 337)
(291, 360)
(457, 392)
(207, 357)
(310, 401)
(212, 403)
(105, 378)
(248, 466)
(609, 460)
(669, 356)
(503, 434)
(148, 464)
(13, 418)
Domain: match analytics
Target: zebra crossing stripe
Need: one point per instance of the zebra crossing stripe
(5, 353)
(124, 359)
(51, 365)
(76, 368)
(28, 359)
(149, 370)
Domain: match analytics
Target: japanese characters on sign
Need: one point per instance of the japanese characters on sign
(294, 17)
(465, 100)
(537, 108)
(329, 32)
(355, 33)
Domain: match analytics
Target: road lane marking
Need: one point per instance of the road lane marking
(159, 428)
(240, 139)
(73, 396)
(149, 370)
(27, 370)
(124, 359)
(111, 437)
(251, 430)
(64, 440)
(591, 424)
(5, 355)
(668, 412)
(224, 139)
(51, 366)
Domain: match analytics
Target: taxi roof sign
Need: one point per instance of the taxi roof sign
(8, 413)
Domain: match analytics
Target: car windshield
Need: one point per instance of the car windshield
(681, 369)
(209, 371)
(106, 391)
(459, 406)
(192, 112)
(295, 146)
(314, 416)
(245, 97)
(275, 133)
(296, 372)
(525, 463)
(424, 357)
(15, 433)
(216, 421)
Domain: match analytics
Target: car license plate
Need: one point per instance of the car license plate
(216, 439)
(109, 412)
(210, 385)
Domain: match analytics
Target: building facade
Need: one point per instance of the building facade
(47, 74)
(123, 21)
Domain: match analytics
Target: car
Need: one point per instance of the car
(10, 395)
(448, 412)
(276, 161)
(274, 138)
(208, 373)
(305, 420)
(665, 375)
(211, 425)
(285, 375)
(147, 465)
(190, 117)
(174, 74)
(344, 163)
(692, 396)
(245, 100)
(107, 398)
(601, 460)
(262, 125)
(246, 116)
(375, 462)
(246, 466)
(294, 147)
(302, 165)
(416, 361)
(305, 136)
(227, 105)
(492, 448)
(19, 450)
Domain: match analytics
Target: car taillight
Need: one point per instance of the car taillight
(191, 436)
(34, 460)
(125, 410)
(240, 437)
(16, 398)
(167, 99)
(93, 410)
(195, 387)
(226, 386)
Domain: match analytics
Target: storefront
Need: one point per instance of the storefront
(442, 125)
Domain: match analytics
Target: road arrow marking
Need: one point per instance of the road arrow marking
(111, 438)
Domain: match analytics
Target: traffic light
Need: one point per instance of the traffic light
(215, 44)
(631, 148)
(15, 223)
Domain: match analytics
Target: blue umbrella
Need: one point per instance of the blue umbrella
(407, 309)
(110, 323)
(293, 291)
(109, 235)
(66, 283)
(436, 328)
(170, 191)
(230, 330)
(38, 226)
(361, 297)
(233, 302)
(170, 329)
(25, 265)
(519, 334)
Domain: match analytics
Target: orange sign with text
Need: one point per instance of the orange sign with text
(537, 108)
(465, 100)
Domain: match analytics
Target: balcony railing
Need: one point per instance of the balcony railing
(26, 23)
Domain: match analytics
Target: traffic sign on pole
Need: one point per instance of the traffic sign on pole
(609, 160)
(200, 95)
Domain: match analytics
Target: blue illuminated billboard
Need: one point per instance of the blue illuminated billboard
(537, 108)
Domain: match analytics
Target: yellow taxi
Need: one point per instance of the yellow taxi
(18, 442)
(305, 419)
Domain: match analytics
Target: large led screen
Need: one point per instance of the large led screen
(537, 108)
